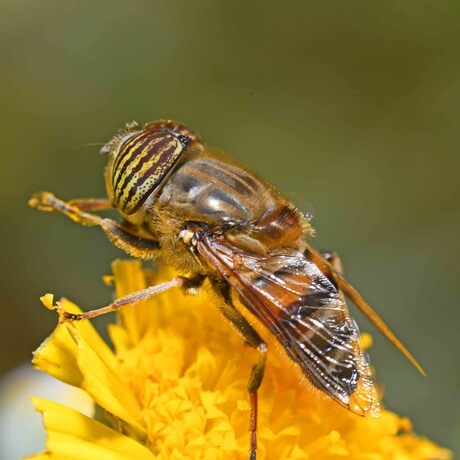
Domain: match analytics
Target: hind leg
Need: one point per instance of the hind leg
(333, 258)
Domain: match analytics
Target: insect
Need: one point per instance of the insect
(216, 220)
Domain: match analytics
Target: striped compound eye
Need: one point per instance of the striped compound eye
(144, 160)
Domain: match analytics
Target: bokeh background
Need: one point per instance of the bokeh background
(353, 106)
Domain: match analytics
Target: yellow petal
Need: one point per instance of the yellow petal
(74, 436)
(298, 453)
(204, 367)
(41, 456)
(130, 278)
(120, 338)
(57, 354)
(48, 301)
(101, 382)
(180, 375)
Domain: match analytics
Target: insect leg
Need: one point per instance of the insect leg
(91, 204)
(254, 340)
(334, 259)
(128, 300)
(255, 380)
(120, 235)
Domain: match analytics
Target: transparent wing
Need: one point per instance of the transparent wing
(289, 294)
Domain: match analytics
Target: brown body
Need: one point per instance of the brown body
(225, 199)
(212, 219)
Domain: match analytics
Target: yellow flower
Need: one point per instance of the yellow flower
(174, 388)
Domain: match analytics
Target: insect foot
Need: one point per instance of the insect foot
(65, 316)
(42, 201)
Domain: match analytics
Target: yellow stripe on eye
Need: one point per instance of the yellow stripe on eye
(126, 151)
(136, 159)
(126, 143)
(150, 181)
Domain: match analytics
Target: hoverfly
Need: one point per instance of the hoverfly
(209, 217)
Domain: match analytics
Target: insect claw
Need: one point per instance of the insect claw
(65, 316)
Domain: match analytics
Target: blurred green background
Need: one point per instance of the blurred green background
(353, 105)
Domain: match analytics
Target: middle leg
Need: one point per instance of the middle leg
(128, 300)
(253, 339)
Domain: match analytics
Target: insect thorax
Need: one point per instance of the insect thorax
(215, 191)
(230, 199)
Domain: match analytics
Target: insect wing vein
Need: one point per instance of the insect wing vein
(305, 311)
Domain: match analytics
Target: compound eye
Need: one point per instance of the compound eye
(185, 135)
(141, 165)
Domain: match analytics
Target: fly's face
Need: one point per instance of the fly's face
(143, 158)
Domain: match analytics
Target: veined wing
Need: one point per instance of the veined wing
(289, 294)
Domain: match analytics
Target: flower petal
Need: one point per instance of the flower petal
(57, 354)
(41, 456)
(102, 383)
(73, 436)
(180, 375)
(130, 278)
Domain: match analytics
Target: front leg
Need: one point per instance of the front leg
(92, 204)
(120, 235)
